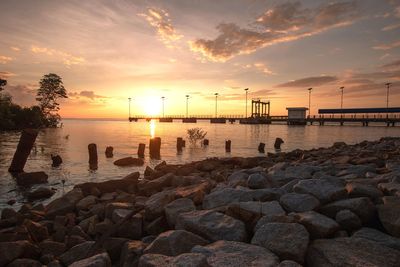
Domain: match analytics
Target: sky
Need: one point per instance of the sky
(107, 51)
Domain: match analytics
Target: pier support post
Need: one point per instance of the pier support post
(278, 143)
(24, 148)
(179, 144)
(154, 147)
(261, 148)
(93, 160)
(109, 152)
(206, 142)
(228, 145)
(141, 149)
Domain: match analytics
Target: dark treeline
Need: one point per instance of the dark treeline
(44, 114)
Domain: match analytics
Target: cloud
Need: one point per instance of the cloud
(391, 27)
(6, 74)
(309, 81)
(15, 48)
(392, 65)
(283, 23)
(387, 46)
(159, 19)
(5, 59)
(66, 58)
(85, 94)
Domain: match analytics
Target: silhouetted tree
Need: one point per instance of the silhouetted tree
(2, 84)
(51, 89)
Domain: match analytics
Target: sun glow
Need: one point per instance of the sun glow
(150, 106)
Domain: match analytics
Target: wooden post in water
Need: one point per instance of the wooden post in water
(93, 161)
(205, 142)
(228, 146)
(179, 144)
(183, 143)
(155, 146)
(25, 144)
(109, 152)
(141, 149)
(261, 148)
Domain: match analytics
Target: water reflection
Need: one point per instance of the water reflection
(152, 128)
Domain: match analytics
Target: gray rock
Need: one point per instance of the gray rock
(52, 248)
(262, 208)
(99, 260)
(131, 252)
(76, 253)
(154, 206)
(295, 202)
(287, 263)
(353, 252)
(224, 197)
(318, 225)
(362, 206)
(363, 190)
(113, 246)
(30, 178)
(325, 190)
(156, 185)
(187, 259)
(267, 194)
(86, 202)
(110, 207)
(65, 204)
(40, 193)
(378, 236)
(24, 263)
(273, 219)
(174, 242)
(212, 225)
(176, 207)
(238, 178)
(236, 254)
(287, 240)
(389, 215)
(258, 181)
(348, 220)
(9, 251)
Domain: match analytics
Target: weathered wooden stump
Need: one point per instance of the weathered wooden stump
(93, 160)
(179, 144)
(278, 143)
(206, 142)
(228, 145)
(261, 148)
(25, 144)
(109, 152)
(141, 149)
(155, 147)
(57, 160)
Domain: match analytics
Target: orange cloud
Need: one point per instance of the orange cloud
(66, 58)
(387, 46)
(6, 74)
(5, 59)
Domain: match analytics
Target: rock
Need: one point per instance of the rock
(208, 165)
(212, 225)
(157, 226)
(225, 197)
(363, 190)
(113, 246)
(187, 259)
(236, 254)
(361, 206)
(65, 204)
(37, 231)
(86, 202)
(392, 188)
(55, 263)
(176, 207)
(40, 193)
(126, 184)
(132, 228)
(156, 185)
(348, 220)
(109, 152)
(267, 194)
(110, 207)
(129, 161)
(377, 236)
(76, 253)
(154, 206)
(258, 181)
(353, 252)
(9, 251)
(358, 171)
(195, 192)
(287, 240)
(262, 208)
(273, 219)
(99, 260)
(318, 225)
(31, 178)
(52, 248)
(238, 178)
(174, 242)
(25, 263)
(8, 213)
(295, 202)
(131, 252)
(325, 190)
(287, 263)
(57, 160)
(389, 215)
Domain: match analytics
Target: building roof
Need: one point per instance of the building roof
(359, 110)
(297, 108)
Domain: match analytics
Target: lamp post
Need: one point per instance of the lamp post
(129, 100)
(309, 101)
(247, 89)
(216, 103)
(387, 98)
(187, 106)
(341, 101)
(163, 97)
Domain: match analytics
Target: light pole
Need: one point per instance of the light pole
(187, 106)
(309, 101)
(387, 98)
(129, 100)
(341, 101)
(216, 103)
(247, 89)
(163, 97)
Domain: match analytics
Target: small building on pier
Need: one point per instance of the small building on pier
(297, 116)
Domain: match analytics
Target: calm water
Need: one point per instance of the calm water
(71, 141)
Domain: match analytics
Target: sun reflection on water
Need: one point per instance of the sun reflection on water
(152, 128)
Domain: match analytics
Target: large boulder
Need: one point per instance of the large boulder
(174, 242)
(363, 190)
(379, 237)
(86, 202)
(31, 178)
(25, 263)
(48, 247)
(348, 220)
(224, 197)
(258, 181)
(150, 187)
(129, 161)
(362, 206)
(236, 254)
(126, 184)
(287, 240)
(65, 204)
(76, 253)
(41, 193)
(195, 192)
(37, 231)
(326, 190)
(389, 215)
(238, 178)
(154, 206)
(212, 225)
(99, 260)
(10, 251)
(131, 252)
(318, 225)
(262, 208)
(176, 207)
(346, 251)
(186, 259)
(295, 202)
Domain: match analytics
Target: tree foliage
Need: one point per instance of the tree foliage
(195, 135)
(51, 89)
(2, 84)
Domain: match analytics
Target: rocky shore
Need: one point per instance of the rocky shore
(336, 206)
